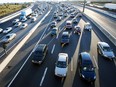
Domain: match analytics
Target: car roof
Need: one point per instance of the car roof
(85, 56)
(68, 21)
(62, 57)
(65, 33)
(103, 44)
(87, 23)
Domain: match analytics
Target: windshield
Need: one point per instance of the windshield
(65, 37)
(61, 64)
(106, 48)
(88, 68)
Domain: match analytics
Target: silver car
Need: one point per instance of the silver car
(105, 50)
(8, 37)
(24, 25)
(7, 30)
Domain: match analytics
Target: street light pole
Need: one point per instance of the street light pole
(84, 5)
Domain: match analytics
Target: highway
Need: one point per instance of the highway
(21, 72)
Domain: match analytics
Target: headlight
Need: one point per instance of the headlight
(94, 77)
(83, 76)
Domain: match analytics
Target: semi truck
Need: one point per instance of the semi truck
(25, 13)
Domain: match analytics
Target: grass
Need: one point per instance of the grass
(6, 9)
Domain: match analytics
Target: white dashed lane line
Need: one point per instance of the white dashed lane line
(43, 76)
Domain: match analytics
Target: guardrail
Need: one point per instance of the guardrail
(104, 31)
(4, 19)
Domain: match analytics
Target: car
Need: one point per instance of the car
(68, 24)
(54, 31)
(59, 18)
(23, 19)
(24, 25)
(15, 21)
(88, 26)
(53, 24)
(33, 19)
(55, 16)
(75, 20)
(65, 37)
(9, 37)
(34, 15)
(61, 65)
(105, 50)
(17, 24)
(29, 17)
(65, 15)
(86, 68)
(77, 30)
(40, 13)
(40, 53)
(7, 30)
(79, 15)
(72, 15)
(1, 30)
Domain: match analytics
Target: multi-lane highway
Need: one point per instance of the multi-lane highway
(21, 72)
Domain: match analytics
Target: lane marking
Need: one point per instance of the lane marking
(53, 49)
(48, 28)
(57, 36)
(43, 76)
(26, 59)
(95, 62)
(71, 63)
(63, 44)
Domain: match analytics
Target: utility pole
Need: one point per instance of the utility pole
(84, 5)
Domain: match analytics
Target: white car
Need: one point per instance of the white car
(33, 19)
(24, 25)
(17, 24)
(8, 37)
(7, 30)
(24, 19)
(105, 50)
(15, 21)
(1, 30)
(88, 26)
(61, 67)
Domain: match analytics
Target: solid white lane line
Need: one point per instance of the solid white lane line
(57, 36)
(25, 60)
(71, 63)
(53, 49)
(43, 76)
(95, 62)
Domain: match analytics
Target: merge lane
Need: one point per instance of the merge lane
(102, 20)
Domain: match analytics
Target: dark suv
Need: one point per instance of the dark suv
(86, 68)
(65, 37)
(40, 53)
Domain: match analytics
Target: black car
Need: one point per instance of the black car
(40, 53)
(65, 38)
(54, 31)
(86, 68)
